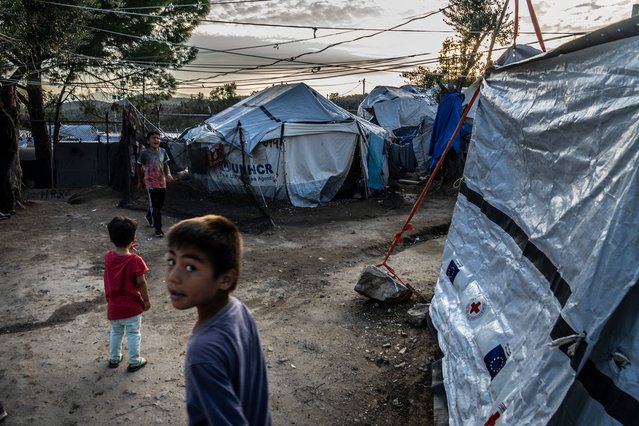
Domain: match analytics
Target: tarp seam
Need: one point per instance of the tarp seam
(558, 285)
(268, 114)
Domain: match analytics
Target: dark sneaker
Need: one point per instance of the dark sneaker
(4, 216)
(3, 413)
(113, 363)
(135, 367)
(159, 233)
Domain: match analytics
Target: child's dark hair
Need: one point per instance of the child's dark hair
(151, 133)
(122, 231)
(214, 235)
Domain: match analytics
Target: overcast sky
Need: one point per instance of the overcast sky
(255, 57)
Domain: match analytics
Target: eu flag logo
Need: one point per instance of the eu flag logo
(451, 271)
(495, 360)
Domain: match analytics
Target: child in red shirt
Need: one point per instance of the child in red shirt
(126, 293)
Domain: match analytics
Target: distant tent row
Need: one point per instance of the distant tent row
(288, 142)
(408, 112)
(76, 133)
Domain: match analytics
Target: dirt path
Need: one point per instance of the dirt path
(334, 357)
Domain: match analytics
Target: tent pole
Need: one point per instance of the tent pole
(516, 23)
(277, 167)
(245, 179)
(407, 225)
(489, 60)
(533, 17)
(361, 160)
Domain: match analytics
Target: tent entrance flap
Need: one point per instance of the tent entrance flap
(354, 184)
(317, 166)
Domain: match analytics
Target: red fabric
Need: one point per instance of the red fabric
(492, 419)
(123, 297)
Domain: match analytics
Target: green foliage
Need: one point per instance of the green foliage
(475, 21)
(421, 76)
(77, 41)
(349, 102)
(223, 93)
(463, 57)
(223, 97)
(37, 32)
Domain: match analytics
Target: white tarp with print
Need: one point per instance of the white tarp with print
(536, 302)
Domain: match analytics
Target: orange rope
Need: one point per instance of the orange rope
(407, 225)
(533, 17)
(516, 23)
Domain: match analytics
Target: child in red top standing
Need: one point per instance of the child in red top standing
(126, 293)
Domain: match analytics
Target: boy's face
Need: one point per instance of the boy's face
(190, 282)
(154, 142)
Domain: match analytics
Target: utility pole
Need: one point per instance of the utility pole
(363, 87)
(143, 105)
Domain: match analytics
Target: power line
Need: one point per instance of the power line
(331, 70)
(263, 24)
(212, 3)
(275, 60)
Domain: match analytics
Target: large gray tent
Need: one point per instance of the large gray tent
(289, 142)
(536, 302)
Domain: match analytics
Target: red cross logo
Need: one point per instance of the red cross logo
(475, 308)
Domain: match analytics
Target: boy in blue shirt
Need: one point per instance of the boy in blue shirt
(224, 369)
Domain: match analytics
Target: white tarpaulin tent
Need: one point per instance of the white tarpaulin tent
(77, 133)
(293, 144)
(536, 302)
(394, 107)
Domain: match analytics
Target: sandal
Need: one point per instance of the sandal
(135, 367)
(113, 363)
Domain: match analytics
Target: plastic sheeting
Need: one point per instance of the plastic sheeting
(77, 133)
(394, 107)
(535, 305)
(265, 111)
(312, 179)
(308, 169)
(516, 54)
(264, 170)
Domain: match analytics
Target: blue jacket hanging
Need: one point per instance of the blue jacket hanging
(449, 112)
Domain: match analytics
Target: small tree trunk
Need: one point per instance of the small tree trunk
(39, 130)
(10, 170)
(124, 165)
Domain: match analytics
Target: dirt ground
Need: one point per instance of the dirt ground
(334, 357)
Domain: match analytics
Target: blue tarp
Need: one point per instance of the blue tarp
(449, 112)
(405, 134)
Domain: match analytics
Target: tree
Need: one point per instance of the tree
(224, 96)
(84, 42)
(349, 102)
(10, 171)
(460, 60)
(422, 77)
